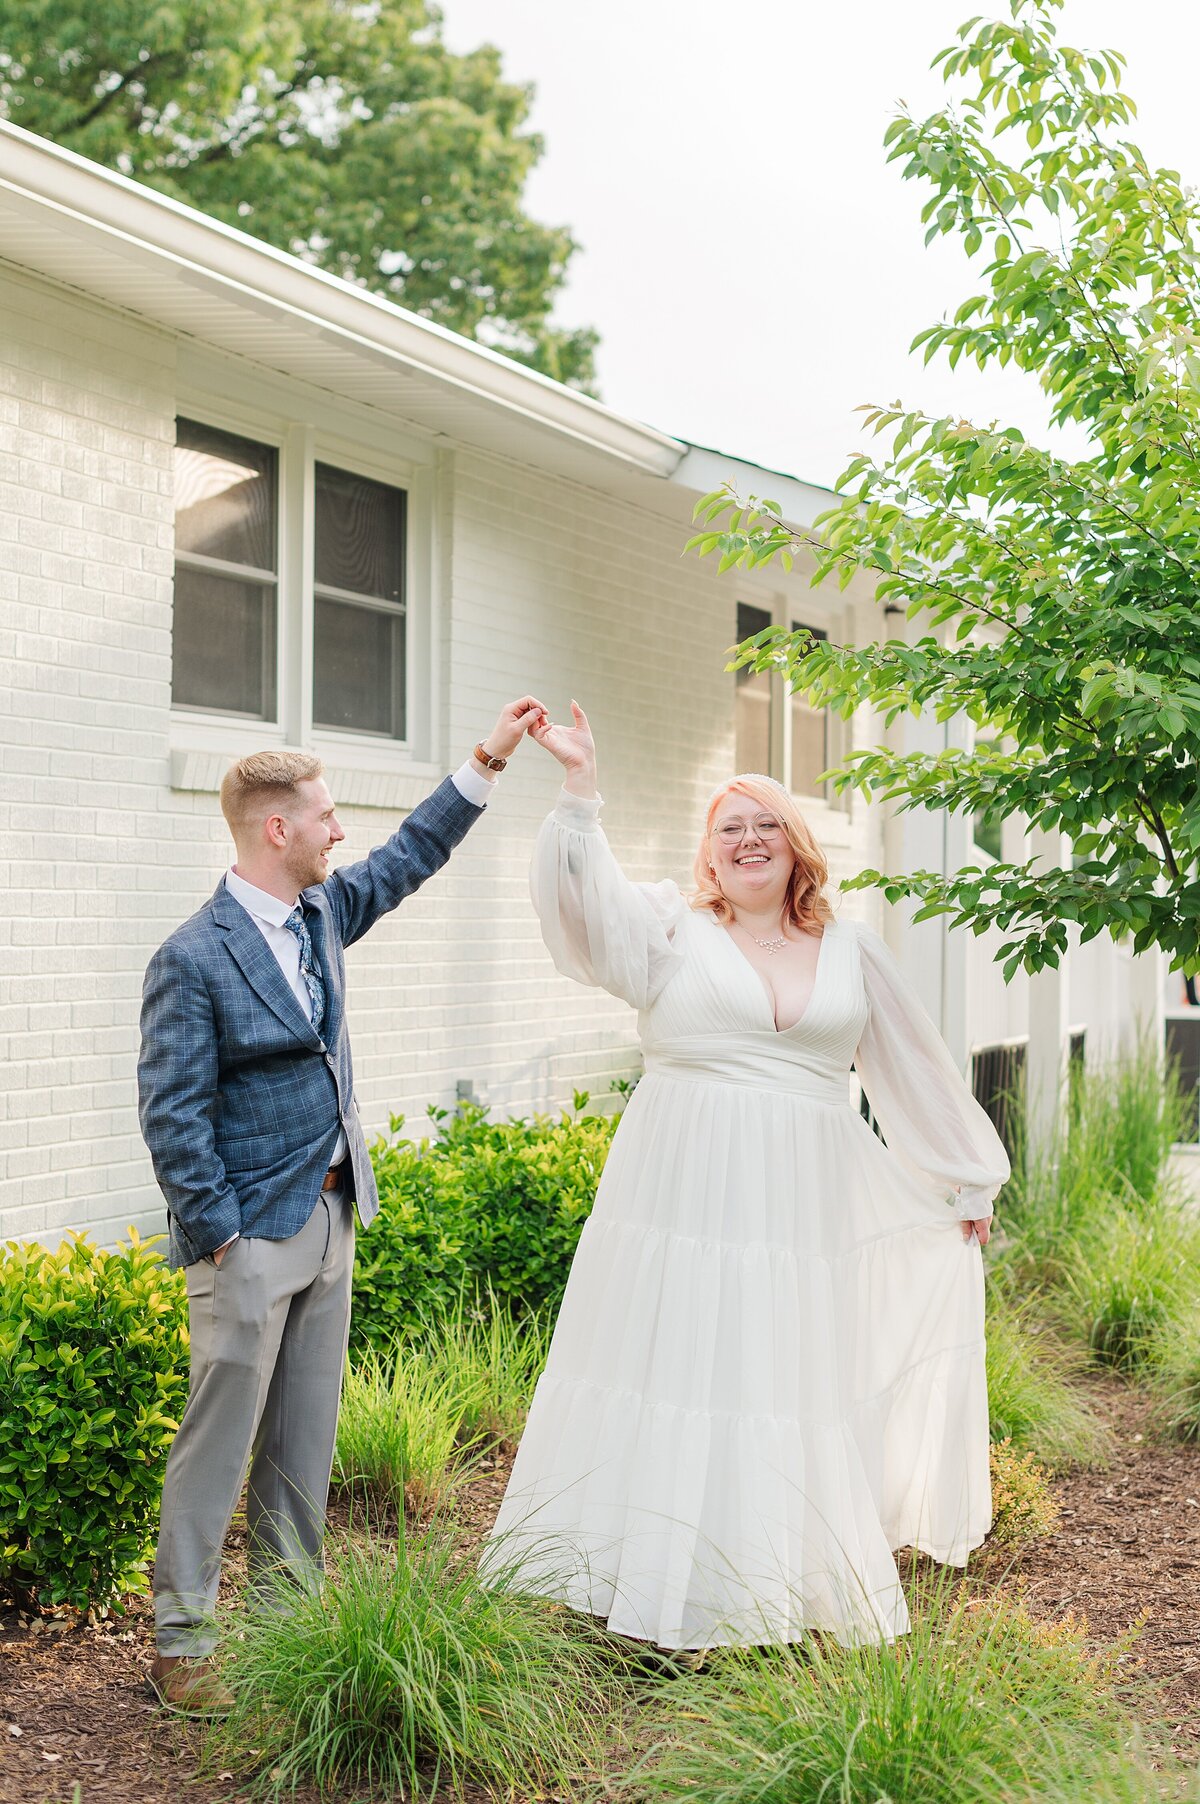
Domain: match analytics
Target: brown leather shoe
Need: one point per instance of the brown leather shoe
(183, 1683)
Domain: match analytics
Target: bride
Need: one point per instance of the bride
(768, 1369)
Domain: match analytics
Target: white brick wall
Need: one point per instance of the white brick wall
(86, 427)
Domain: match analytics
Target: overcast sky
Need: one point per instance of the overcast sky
(754, 267)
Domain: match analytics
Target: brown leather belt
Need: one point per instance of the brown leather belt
(332, 1178)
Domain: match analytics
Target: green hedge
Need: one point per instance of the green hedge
(93, 1380)
(478, 1205)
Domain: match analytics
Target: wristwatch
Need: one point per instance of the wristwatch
(489, 763)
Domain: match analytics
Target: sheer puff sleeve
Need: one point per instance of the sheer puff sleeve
(600, 928)
(927, 1112)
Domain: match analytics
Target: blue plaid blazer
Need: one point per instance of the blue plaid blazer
(240, 1099)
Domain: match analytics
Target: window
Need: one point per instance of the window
(777, 732)
(752, 723)
(1183, 1059)
(987, 827)
(810, 736)
(226, 573)
(358, 614)
(290, 588)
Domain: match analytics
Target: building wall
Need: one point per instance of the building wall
(85, 586)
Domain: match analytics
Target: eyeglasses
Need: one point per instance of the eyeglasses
(731, 833)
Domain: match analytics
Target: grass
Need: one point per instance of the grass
(413, 1421)
(406, 1679)
(1033, 1395)
(1174, 1374)
(979, 1704)
(1108, 1151)
(398, 1431)
(1096, 1231)
(1129, 1279)
(497, 1359)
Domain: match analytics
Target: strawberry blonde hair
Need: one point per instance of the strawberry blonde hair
(806, 906)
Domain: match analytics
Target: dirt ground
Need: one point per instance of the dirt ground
(73, 1711)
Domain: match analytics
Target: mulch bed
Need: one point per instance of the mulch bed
(73, 1710)
(1128, 1546)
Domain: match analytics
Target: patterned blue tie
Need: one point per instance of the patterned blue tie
(314, 983)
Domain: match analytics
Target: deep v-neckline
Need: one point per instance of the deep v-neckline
(760, 981)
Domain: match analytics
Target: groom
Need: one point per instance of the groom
(247, 1105)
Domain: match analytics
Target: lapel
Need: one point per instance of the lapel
(258, 965)
(318, 927)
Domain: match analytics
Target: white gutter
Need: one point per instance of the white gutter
(153, 230)
(703, 470)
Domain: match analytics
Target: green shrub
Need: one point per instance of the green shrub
(93, 1380)
(527, 1189)
(405, 1678)
(978, 1704)
(480, 1207)
(1033, 1397)
(409, 1260)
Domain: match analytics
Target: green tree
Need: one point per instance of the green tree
(1060, 597)
(344, 132)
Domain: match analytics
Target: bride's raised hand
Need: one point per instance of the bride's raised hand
(574, 748)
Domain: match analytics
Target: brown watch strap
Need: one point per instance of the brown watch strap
(485, 758)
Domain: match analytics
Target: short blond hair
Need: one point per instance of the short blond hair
(806, 905)
(263, 783)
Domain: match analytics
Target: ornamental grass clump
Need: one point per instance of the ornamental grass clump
(1174, 1374)
(495, 1359)
(93, 1381)
(1130, 1280)
(1107, 1152)
(399, 1430)
(414, 1419)
(406, 1678)
(1034, 1402)
(978, 1704)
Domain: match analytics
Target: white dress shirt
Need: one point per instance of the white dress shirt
(269, 914)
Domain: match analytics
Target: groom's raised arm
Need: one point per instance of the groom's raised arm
(359, 893)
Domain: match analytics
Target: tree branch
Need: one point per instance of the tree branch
(106, 99)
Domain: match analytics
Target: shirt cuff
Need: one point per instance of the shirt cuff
(580, 812)
(472, 787)
(226, 1244)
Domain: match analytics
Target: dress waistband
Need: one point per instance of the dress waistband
(749, 1063)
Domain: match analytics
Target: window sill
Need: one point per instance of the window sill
(359, 776)
(829, 820)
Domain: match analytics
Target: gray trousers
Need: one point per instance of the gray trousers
(269, 1329)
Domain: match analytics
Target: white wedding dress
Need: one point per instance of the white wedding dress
(768, 1368)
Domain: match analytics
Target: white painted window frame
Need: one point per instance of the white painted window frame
(784, 609)
(305, 430)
